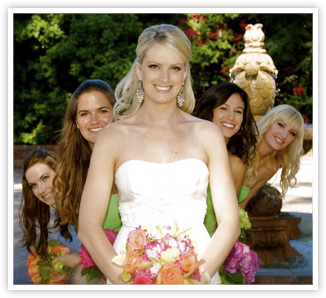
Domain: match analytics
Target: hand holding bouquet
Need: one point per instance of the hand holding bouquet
(40, 267)
(164, 255)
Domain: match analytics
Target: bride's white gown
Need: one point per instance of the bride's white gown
(151, 193)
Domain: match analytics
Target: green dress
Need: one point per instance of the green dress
(210, 218)
(112, 219)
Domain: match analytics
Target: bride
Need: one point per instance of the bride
(160, 159)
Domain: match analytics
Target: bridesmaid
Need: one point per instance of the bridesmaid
(35, 210)
(227, 105)
(88, 111)
(280, 146)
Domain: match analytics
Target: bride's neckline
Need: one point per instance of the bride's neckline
(160, 163)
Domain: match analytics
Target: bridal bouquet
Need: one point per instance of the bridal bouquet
(163, 255)
(39, 267)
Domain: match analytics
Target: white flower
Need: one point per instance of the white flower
(170, 255)
(155, 269)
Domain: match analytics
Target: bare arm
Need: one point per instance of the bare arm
(263, 178)
(225, 204)
(94, 204)
(238, 171)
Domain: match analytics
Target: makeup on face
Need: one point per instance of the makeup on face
(94, 111)
(40, 179)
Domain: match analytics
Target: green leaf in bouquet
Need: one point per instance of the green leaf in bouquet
(54, 242)
(44, 270)
(189, 281)
(63, 268)
(242, 237)
(92, 273)
(188, 274)
(126, 276)
(144, 265)
(155, 260)
(228, 278)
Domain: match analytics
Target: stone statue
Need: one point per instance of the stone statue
(255, 72)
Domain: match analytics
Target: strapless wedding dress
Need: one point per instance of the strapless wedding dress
(160, 193)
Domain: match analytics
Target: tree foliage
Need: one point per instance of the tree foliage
(54, 53)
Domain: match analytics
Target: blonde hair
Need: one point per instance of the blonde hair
(288, 158)
(125, 92)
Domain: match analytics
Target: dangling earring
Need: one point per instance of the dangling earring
(181, 96)
(140, 92)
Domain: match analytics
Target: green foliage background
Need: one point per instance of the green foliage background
(54, 53)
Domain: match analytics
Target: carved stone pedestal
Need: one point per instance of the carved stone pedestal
(271, 230)
(270, 238)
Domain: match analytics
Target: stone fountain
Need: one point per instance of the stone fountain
(255, 72)
(272, 230)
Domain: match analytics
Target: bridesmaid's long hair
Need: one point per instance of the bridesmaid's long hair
(74, 158)
(243, 143)
(288, 158)
(34, 214)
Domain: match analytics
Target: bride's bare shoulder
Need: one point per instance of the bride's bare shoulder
(115, 131)
(205, 128)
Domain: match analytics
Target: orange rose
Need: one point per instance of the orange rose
(171, 275)
(189, 262)
(32, 268)
(131, 261)
(60, 250)
(137, 239)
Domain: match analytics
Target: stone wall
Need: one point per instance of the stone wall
(21, 151)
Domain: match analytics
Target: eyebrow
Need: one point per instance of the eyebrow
(100, 108)
(236, 107)
(44, 174)
(286, 125)
(159, 63)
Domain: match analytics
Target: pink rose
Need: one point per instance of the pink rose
(143, 277)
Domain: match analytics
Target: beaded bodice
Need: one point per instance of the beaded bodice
(160, 192)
